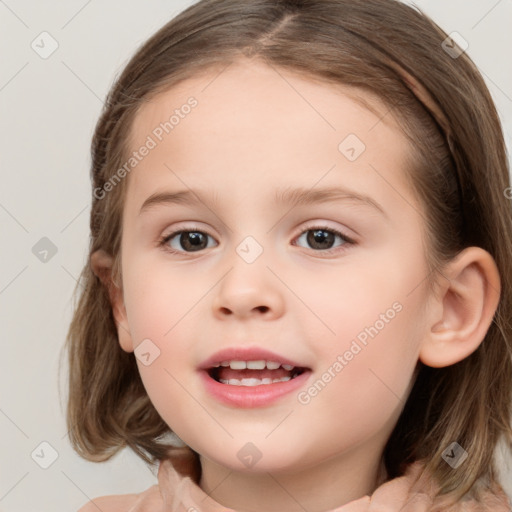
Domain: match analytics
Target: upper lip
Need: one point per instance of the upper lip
(246, 354)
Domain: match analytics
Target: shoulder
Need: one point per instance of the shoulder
(110, 503)
(124, 502)
(483, 497)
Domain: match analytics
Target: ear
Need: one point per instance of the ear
(101, 264)
(463, 310)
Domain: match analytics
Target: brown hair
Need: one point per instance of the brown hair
(458, 171)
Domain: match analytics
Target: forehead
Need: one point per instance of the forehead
(245, 83)
(250, 122)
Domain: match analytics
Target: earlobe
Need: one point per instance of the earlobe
(101, 264)
(463, 310)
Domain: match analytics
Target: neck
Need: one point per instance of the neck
(321, 488)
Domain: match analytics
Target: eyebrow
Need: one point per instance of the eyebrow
(304, 196)
(293, 197)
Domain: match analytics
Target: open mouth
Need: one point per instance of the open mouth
(253, 373)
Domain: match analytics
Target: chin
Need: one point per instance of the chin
(249, 459)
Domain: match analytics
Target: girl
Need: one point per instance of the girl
(299, 266)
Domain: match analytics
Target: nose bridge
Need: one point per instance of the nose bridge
(249, 287)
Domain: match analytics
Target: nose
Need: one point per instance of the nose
(249, 290)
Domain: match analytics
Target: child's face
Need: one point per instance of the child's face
(253, 134)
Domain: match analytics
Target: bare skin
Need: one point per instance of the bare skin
(250, 135)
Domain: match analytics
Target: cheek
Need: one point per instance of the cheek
(361, 389)
(350, 295)
(158, 301)
(162, 312)
(372, 363)
(367, 365)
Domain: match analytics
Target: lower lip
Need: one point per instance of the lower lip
(252, 396)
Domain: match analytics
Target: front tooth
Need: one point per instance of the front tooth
(224, 363)
(271, 365)
(256, 365)
(288, 367)
(237, 365)
(234, 382)
(250, 382)
(266, 380)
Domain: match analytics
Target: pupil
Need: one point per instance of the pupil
(321, 237)
(192, 240)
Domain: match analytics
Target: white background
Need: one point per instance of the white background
(48, 111)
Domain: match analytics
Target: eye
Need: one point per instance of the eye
(322, 238)
(191, 240)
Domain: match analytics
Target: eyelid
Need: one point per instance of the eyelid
(183, 226)
(349, 241)
(320, 224)
(180, 229)
(312, 225)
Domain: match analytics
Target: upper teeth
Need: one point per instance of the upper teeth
(255, 365)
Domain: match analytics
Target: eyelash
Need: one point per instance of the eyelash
(347, 241)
